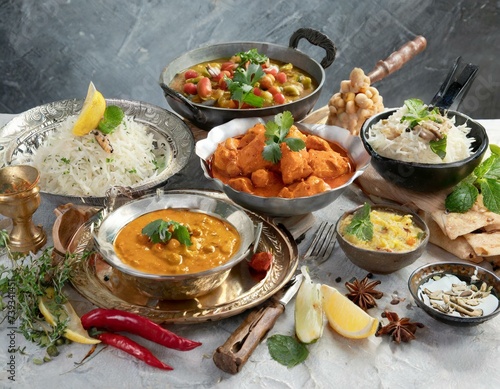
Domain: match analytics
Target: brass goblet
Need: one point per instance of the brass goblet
(19, 199)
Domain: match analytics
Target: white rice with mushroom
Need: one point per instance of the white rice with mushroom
(391, 138)
(78, 166)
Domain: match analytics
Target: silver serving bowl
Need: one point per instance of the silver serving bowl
(465, 272)
(383, 262)
(173, 144)
(277, 206)
(182, 286)
(427, 177)
(206, 116)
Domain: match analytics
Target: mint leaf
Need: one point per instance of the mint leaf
(490, 189)
(287, 350)
(361, 226)
(438, 147)
(462, 198)
(112, 118)
(161, 231)
(419, 112)
(495, 150)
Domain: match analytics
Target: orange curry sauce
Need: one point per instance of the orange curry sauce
(274, 187)
(214, 242)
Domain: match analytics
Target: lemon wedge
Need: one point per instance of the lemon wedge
(91, 113)
(309, 316)
(345, 317)
(52, 312)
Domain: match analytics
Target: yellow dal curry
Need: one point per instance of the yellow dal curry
(392, 232)
(214, 242)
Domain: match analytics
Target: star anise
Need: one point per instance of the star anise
(363, 293)
(401, 330)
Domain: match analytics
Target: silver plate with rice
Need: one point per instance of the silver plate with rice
(173, 142)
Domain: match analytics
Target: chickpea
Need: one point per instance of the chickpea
(345, 86)
(363, 101)
(174, 259)
(209, 249)
(350, 96)
(350, 107)
(173, 244)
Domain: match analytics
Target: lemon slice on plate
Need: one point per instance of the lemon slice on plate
(52, 312)
(308, 310)
(345, 317)
(91, 113)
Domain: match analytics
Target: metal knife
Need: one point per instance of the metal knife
(234, 353)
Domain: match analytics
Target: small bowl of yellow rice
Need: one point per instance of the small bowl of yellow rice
(382, 238)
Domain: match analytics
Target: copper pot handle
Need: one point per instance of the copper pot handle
(318, 39)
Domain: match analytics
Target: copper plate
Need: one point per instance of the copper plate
(95, 280)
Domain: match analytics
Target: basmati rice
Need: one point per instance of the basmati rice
(78, 166)
(390, 139)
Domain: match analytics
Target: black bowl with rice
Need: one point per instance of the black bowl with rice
(417, 174)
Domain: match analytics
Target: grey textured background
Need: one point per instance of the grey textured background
(50, 50)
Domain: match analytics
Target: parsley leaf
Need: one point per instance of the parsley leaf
(112, 118)
(252, 56)
(484, 180)
(161, 231)
(287, 350)
(276, 132)
(241, 86)
(361, 226)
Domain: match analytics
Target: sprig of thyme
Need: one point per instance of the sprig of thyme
(23, 283)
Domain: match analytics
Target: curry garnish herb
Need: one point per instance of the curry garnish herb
(485, 180)
(361, 226)
(252, 56)
(161, 231)
(241, 86)
(276, 133)
(438, 146)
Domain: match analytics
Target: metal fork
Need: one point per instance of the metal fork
(322, 245)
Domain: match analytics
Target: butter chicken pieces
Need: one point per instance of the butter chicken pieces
(320, 166)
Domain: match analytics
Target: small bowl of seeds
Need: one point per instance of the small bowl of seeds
(460, 294)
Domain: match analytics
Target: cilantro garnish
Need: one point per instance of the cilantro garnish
(276, 132)
(241, 86)
(252, 56)
(484, 180)
(112, 118)
(419, 112)
(161, 231)
(286, 350)
(361, 226)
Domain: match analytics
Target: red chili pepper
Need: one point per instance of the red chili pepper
(120, 321)
(129, 346)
